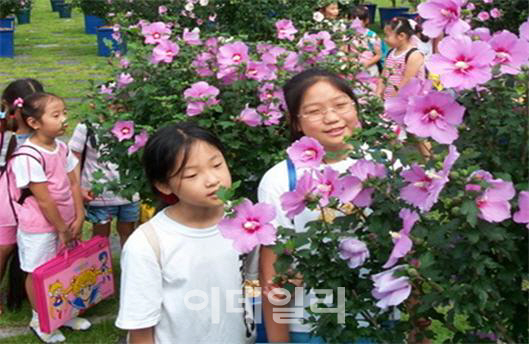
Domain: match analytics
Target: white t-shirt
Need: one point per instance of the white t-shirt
(194, 261)
(91, 165)
(28, 170)
(275, 183)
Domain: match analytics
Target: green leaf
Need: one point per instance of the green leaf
(470, 209)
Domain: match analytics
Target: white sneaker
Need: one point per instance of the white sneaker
(54, 337)
(78, 324)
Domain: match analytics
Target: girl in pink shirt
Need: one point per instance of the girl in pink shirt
(53, 209)
(404, 60)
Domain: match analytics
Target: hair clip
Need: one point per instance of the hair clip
(2, 114)
(19, 102)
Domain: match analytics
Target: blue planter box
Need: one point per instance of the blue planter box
(7, 22)
(388, 13)
(372, 11)
(105, 34)
(410, 15)
(7, 45)
(91, 23)
(55, 5)
(24, 16)
(65, 10)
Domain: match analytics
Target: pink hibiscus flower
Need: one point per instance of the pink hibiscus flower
(270, 113)
(327, 185)
(293, 202)
(232, 54)
(165, 52)
(250, 227)
(285, 29)
(524, 30)
(354, 251)
(250, 117)
(390, 290)
(424, 187)
(199, 96)
(396, 107)
(480, 33)
(511, 52)
(306, 152)
(462, 63)
(123, 130)
(192, 37)
(139, 141)
(436, 115)
(257, 71)
(522, 215)
(201, 63)
(124, 79)
(155, 33)
(493, 204)
(402, 241)
(364, 170)
(442, 16)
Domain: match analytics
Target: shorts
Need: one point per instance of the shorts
(129, 212)
(35, 249)
(8, 235)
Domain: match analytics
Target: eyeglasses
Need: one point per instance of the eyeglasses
(316, 115)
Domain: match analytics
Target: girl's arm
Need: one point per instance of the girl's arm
(77, 224)
(49, 210)
(85, 193)
(376, 57)
(274, 331)
(380, 85)
(415, 63)
(141, 336)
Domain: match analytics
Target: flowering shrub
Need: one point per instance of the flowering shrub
(8, 7)
(435, 238)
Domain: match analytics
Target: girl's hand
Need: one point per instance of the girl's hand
(87, 195)
(76, 227)
(65, 237)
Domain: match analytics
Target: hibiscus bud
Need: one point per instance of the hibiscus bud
(454, 174)
(455, 211)
(412, 272)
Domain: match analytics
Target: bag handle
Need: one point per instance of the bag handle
(150, 233)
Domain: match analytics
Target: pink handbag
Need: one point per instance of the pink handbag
(76, 279)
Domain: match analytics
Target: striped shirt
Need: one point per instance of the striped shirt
(91, 165)
(394, 68)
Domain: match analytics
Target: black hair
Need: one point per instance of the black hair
(360, 12)
(167, 145)
(418, 30)
(401, 25)
(35, 105)
(20, 88)
(295, 88)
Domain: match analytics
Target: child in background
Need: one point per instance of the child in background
(13, 132)
(330, 10)
(404, 61)
(421, 41)
(180, 251)
(371, 40)
(53, 210)
(102, 208)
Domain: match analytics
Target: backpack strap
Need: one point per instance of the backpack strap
(292, 179)
(389, 52)
(150, 233)
(26, 192)
(408, 54)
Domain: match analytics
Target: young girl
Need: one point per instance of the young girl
(373, 54)
(177, 270)
(101, 209)
(321, 105)
(13, 132)
(53, 210)
(330, 10)
(404, 61)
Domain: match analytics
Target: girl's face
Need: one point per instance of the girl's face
(393, 39)
(202, 176)
(53, 122)
(327, 115)
(331, 11)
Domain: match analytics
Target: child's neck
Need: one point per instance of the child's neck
(195, 217)
(43, 141)
(403, 47)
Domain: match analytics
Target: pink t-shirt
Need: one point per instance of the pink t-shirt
(58, 163)
(394, 68)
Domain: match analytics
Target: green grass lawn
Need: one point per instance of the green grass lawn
(58, 53)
